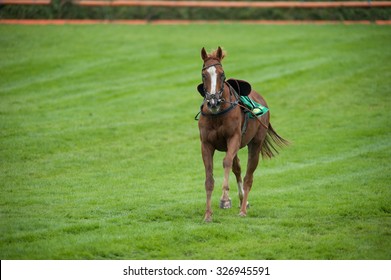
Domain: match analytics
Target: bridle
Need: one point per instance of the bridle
(233, 99)
(217, 97)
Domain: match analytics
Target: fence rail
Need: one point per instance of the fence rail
(25, 2)
(211, 4)
(185, 22)
(236, 4)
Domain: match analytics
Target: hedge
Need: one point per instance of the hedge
(66, 10)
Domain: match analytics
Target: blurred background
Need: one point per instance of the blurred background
(195, 10)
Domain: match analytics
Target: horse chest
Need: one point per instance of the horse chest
(217, 134)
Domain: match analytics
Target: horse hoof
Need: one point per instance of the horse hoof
(241, 214)
(225, 204)
(208, 217)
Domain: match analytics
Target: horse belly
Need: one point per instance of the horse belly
(246, 138)
(245, 142)
(252, 131)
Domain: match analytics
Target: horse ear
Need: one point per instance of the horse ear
(200, 89)
(204, 55)
(219, 53)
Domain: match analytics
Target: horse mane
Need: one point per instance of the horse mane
(213, 55)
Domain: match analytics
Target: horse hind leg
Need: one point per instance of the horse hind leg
(253, 159)
(233, 147)
(236, 169)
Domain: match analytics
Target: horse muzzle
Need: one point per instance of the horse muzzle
(213, 103)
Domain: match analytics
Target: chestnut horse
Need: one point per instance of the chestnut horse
(224, 127)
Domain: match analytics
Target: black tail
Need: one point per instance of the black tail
(269, 149)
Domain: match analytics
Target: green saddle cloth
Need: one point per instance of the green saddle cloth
(256, 108)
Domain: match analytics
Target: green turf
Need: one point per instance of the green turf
(100, 154)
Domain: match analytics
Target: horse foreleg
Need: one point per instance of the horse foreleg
(252, 163)
(207, 157)
(225, 201)
(233, 147)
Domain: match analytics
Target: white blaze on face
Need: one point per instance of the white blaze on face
(213, 77)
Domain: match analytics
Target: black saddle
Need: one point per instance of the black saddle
(242, 88)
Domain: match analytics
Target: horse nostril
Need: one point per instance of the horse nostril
(212, 103)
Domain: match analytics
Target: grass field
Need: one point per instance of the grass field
(100, 153)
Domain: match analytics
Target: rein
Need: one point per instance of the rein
(255, 116)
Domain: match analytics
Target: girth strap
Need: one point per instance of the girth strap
(244, 127)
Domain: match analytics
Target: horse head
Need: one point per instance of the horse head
(213, 79)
